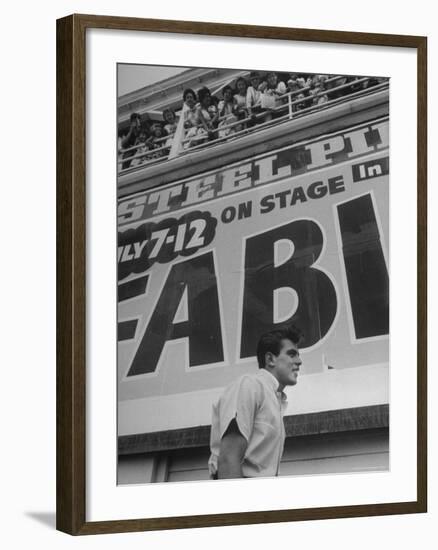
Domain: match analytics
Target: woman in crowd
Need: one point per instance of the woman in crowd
(254, 96)
(226, 112)
(293, 88)
(170, 126)
(292, 84)
(240, 99)
(170, 122)
(199, 119)
(156, 141)
(317, 90)
(304, 92)
(189, 112)
(207, 119)
(189, 107)
(272, 89)
(128, 141)
(142, 147)
(213, 110)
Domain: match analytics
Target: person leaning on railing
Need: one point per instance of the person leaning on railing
(170, 123)
(271, 90)
(213, 110)
(300, 83)
(206, 119)
(240, 99)
(200, 120)
(189, 112)
(142, 147)
(254, 96)
(170, 126)
(226, 112)
(156, 141)
(130, 139)
(317, 89)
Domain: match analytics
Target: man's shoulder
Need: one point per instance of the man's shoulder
(249, 382)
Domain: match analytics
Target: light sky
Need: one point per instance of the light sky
(133, 77)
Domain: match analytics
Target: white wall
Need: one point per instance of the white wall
(28, 254)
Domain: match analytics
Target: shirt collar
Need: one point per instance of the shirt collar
(272, 382)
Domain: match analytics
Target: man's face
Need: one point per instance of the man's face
(286, 364)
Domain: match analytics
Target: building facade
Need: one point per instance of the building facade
(284, 218)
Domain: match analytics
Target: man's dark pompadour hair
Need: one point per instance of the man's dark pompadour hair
(271, 341)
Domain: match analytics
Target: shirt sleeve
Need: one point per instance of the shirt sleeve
(239, 402)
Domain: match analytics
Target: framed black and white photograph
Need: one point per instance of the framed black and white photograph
(264, 223)
(241, 252)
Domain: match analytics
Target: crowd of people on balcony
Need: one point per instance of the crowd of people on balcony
(255, 100)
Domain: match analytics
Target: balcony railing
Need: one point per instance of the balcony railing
(291, 105)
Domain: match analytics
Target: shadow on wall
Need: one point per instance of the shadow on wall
(45, 518)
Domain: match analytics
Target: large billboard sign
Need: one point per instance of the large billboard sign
(208, 264)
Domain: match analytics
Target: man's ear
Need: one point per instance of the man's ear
(269, 359)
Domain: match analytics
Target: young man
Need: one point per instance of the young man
(247, 432)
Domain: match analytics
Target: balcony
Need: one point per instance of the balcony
(295, 117)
